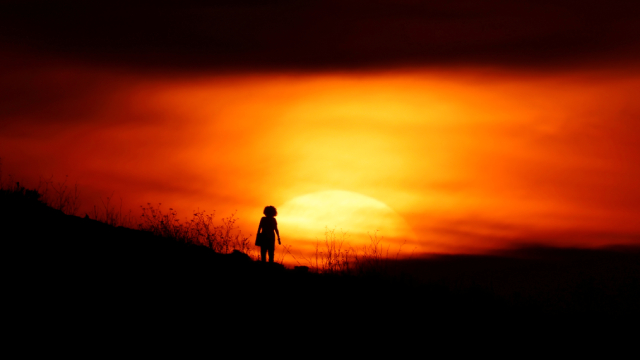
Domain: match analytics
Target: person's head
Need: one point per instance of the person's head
(270, 211)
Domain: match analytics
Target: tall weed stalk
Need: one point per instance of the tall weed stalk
(200, 229)
(59, 195)
(112, 215)
(334, 255)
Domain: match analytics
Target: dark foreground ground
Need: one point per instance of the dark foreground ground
(65, 272)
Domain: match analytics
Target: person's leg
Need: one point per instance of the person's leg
(263, 253)
(271, 251)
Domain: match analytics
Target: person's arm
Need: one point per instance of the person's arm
(259, 227)
(277, 232)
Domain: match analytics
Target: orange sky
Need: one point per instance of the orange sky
(472, 159)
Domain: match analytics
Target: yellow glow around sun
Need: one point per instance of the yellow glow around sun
(306, 218)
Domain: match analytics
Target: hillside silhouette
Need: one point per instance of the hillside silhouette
(67, 268)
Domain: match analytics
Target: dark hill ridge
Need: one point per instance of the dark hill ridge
(60, 256)
(64, 267)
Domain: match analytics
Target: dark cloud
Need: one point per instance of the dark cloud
(321, 35)
(479, 235)
(42, 93)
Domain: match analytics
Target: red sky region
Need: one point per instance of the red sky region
(471, 159)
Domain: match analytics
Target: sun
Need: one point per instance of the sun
(306, 218)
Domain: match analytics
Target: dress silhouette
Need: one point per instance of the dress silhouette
(267, 231)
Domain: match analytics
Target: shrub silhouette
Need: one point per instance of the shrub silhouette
(200, 230)
(57, 247)
(335, 255)
(57, 195)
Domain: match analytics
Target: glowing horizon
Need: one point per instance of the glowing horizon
(472, 160)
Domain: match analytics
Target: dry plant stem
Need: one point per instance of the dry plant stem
(59, 195)
(200, 229)
(111, 215)
(333, 256)
(287, 248)
(283, 254)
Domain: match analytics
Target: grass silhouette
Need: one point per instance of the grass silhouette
(55, 194)
(335, 255)
(200, 230)
(168, 265)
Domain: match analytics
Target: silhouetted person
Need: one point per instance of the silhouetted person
(266, 236)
